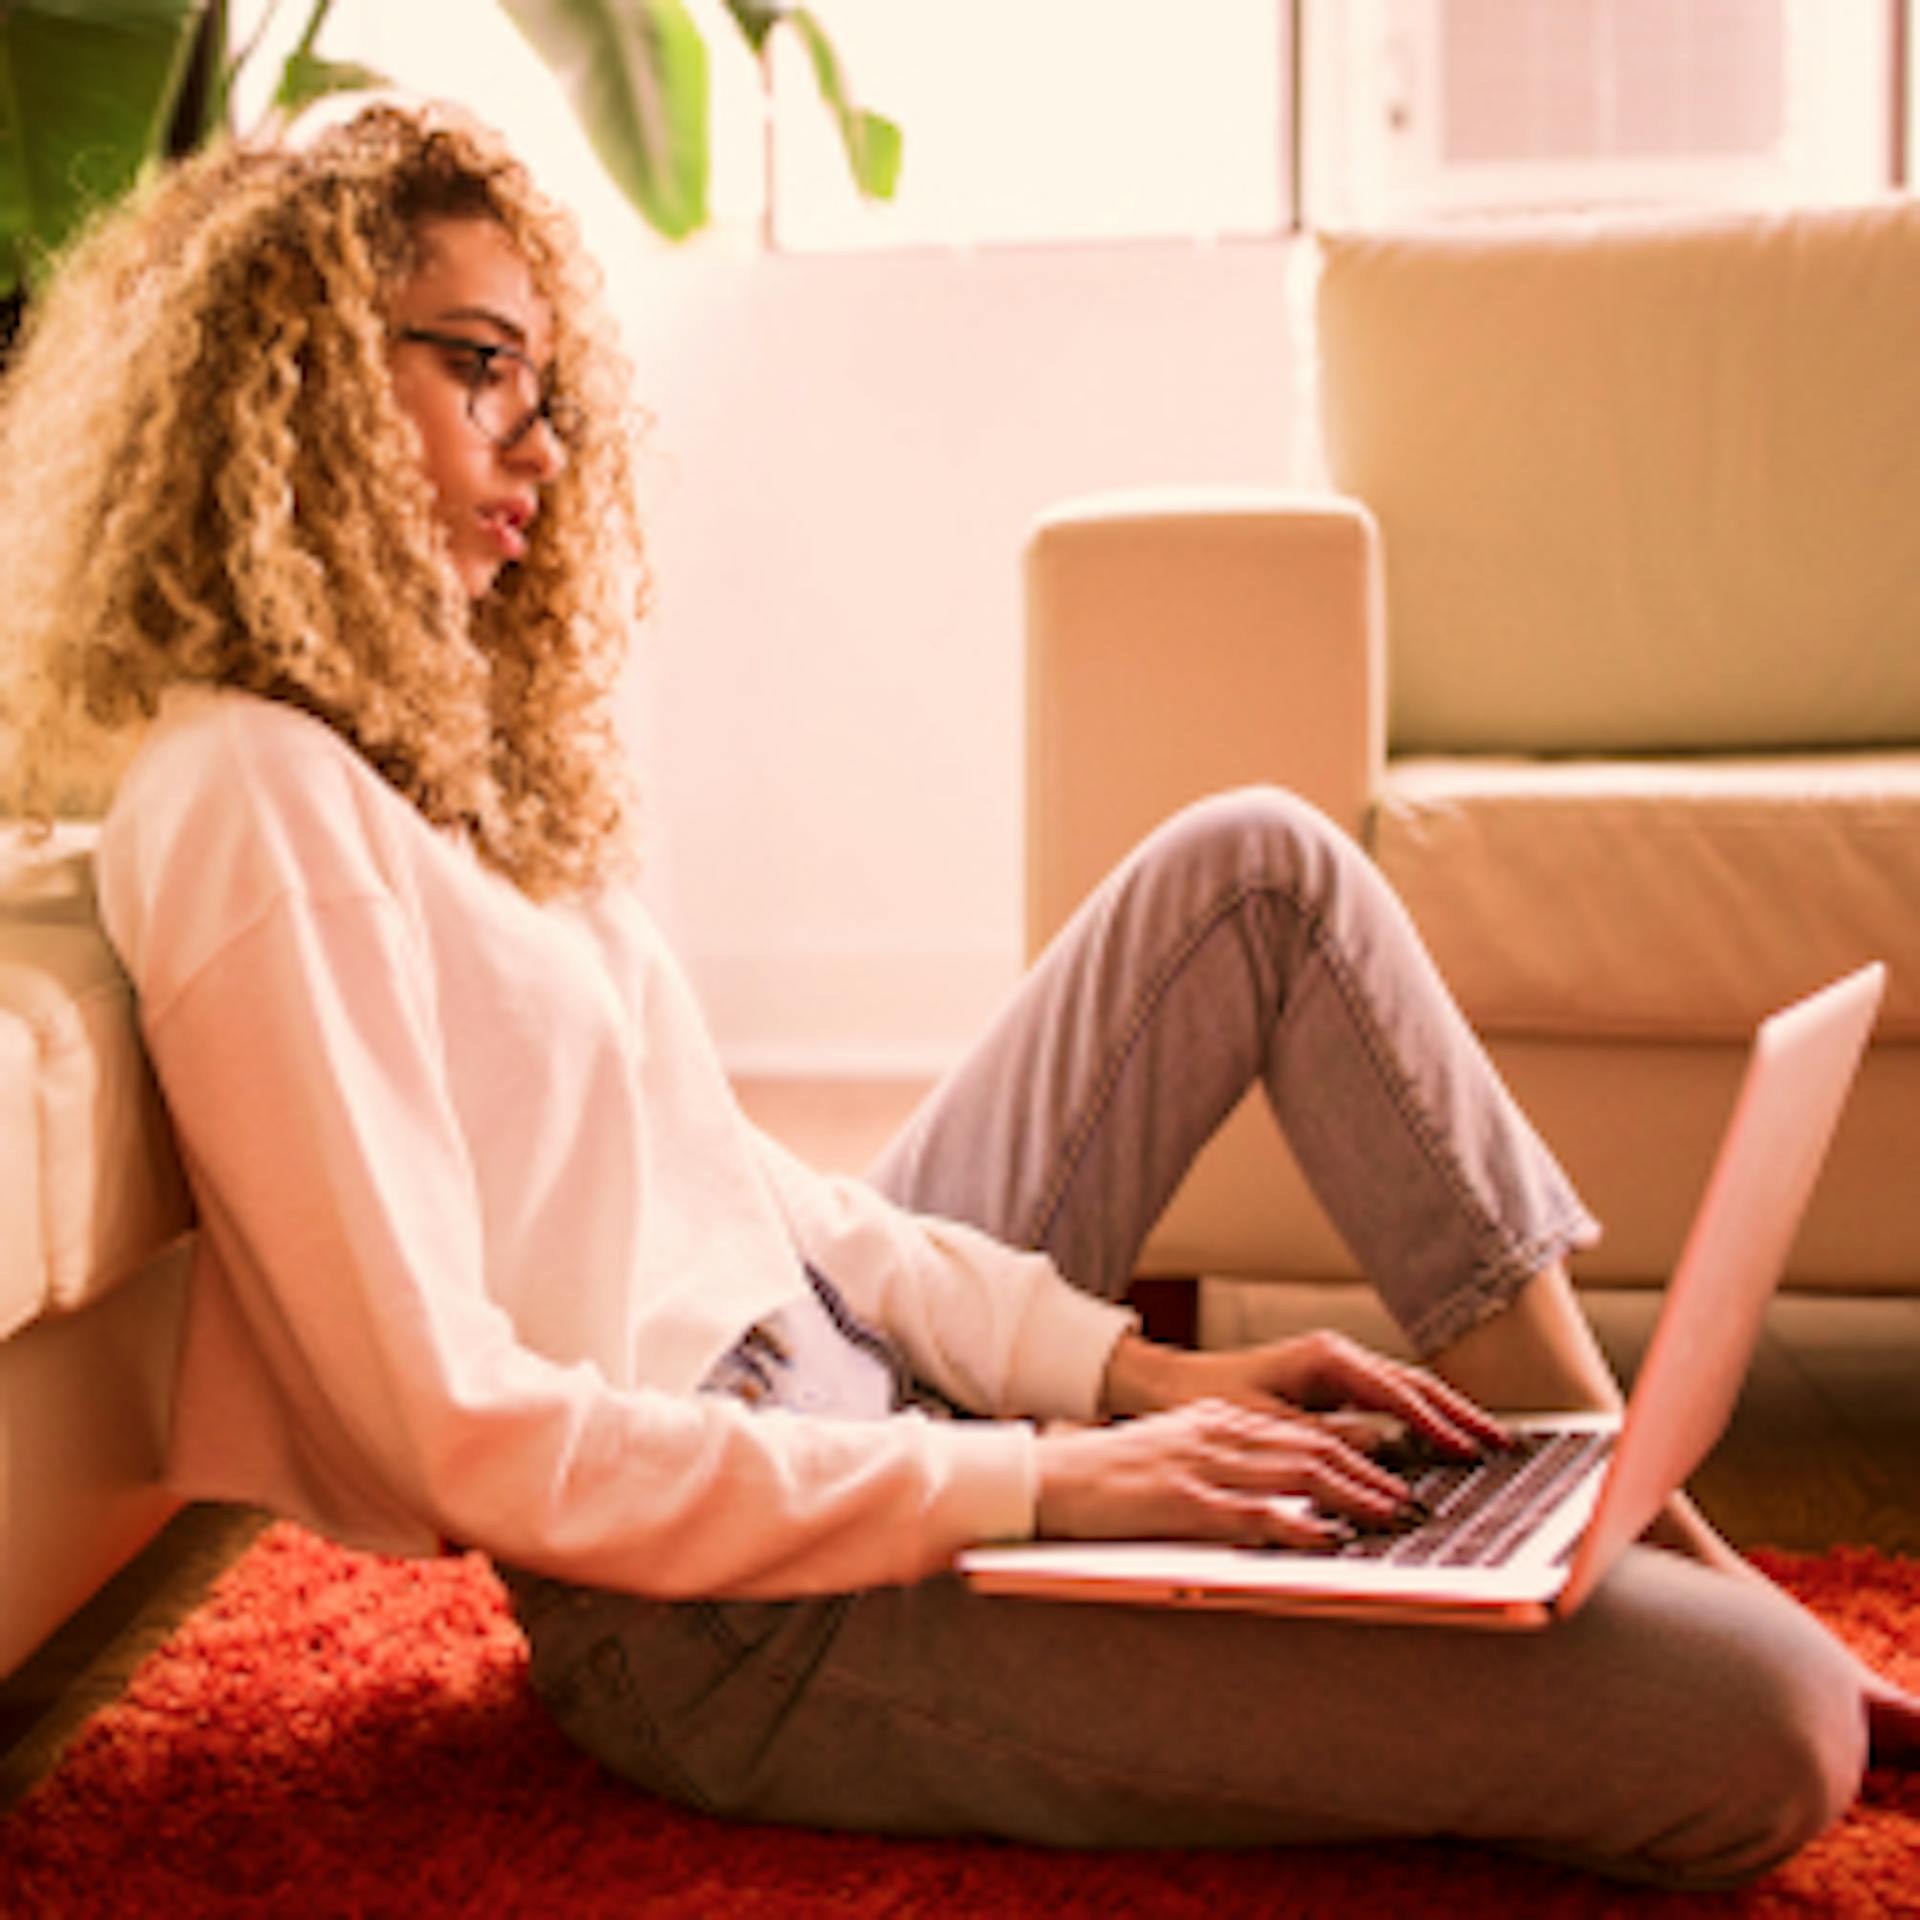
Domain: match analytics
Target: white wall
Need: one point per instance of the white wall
(829, 699)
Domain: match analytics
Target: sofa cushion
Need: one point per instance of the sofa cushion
(1673, 899)
(91, 1182)
(1643, 485)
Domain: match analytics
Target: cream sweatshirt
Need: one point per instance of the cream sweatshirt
(478, 1210)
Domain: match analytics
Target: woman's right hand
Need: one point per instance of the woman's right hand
(1213, 1470)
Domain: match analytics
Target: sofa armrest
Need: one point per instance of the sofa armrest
(1182, 643)
(91, 1185)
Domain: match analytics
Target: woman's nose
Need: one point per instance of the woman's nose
(539, 453)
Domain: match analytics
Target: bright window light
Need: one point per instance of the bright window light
(1040, 120)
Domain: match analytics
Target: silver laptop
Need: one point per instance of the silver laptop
(1524, 1536)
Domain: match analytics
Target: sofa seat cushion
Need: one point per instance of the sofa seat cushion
(1677, 899)
(90, 1184)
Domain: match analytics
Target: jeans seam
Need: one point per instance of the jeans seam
(1499, 1258)
(1146, 1003)
(1503, 1259)
(606, 1667)
(713, 1619)
(1489, 1238)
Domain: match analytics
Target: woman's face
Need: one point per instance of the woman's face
(469, 387)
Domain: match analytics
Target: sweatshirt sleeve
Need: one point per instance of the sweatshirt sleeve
(996, 1329)
(302, 1066)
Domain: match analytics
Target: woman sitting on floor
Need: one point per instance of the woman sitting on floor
(320, 465)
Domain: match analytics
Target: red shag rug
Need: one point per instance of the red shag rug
(332, 1733)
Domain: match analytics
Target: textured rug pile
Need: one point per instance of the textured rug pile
(331, 1733)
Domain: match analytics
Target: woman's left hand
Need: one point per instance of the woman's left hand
(1323, 1376)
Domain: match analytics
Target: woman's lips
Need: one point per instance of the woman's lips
(506, 528)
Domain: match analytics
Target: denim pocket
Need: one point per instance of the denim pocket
(743, 1627)
(681, 1698)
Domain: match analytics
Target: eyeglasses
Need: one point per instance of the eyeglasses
(505, 391)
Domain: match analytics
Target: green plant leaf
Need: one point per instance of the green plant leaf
(756, 19)
(636, 73)
(86, 90)
(874, 149)
(872, 143)
(307, 78)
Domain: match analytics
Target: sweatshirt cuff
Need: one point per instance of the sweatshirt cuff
(995, 1479)
(1061, 1351)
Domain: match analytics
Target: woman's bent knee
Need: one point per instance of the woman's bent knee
(1253, 815)
(1803, 1758)
(1256, 838)
(1777, 1739)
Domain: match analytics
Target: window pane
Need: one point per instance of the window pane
(1029, 120)
(1424, 107)
(1522, 80)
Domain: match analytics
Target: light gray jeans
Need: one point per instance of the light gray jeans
(1683, 1727)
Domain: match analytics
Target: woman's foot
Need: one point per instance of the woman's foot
(1893, 1722)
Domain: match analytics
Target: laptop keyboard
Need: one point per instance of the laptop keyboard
(1485, 1511)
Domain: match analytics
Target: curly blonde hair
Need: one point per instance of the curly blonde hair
(205, 477)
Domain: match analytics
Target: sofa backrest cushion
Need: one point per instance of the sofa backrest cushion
(90, 1182)
(1647, 484)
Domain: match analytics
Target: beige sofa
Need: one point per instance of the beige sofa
(93, 1245)
(1605, 639)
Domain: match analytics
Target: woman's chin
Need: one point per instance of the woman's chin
(479, 578)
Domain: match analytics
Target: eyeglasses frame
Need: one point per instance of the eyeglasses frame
(550, 409)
